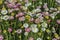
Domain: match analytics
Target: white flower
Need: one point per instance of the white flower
(6, 17)
(33, 25)
(4, 12)
(19, 31)
(53, 15)
(44, 24)
(39, 38)
(35, 30)
(46, 9)
(20, 0)
(27, 4)
(26, 33)
(25, 25)
(43, 29)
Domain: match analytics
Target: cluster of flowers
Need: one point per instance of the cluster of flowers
(40, 23)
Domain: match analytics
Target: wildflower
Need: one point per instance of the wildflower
(44, 24)
(27, 29)
(18, 31)
(11, 17)
(10, 29)
(4, 31)
(37, 20)
(22, 18)
(4, 11)
(54, 39)
(1, 37)
(33, 25)
(6, 17)
(26, 33)
(43, 29)
(39, 38)
(26, 25)
(31, 38)
(35, 30)
(58, 21)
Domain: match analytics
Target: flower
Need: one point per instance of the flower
(18, 31)
(39, 38)
(22, 18)
(27, 29)
(6, 17)
(4, 11)
(43, 29)
(31, 38)
(9, 29)
(37, 20)
(31, 19)
(19, 14)
(58, 21)
(11, 17)
(35, 30)
(26, 33)
(1, 37)
(44, 24)
(27, 4)
(45, 5)
(54, 39)
(33, 25)
(26, 25)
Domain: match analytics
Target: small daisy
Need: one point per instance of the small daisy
(19, 31)
(27, 4)
(43, 29)
(33, 25)
(44, 24)
(6, 17)
(4, 12)
(26, 33)
(39, 38)
(26, 25)
(35, 30)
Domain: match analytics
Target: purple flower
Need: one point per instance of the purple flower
(1, 37)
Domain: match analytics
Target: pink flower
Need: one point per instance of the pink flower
(10, 5)
(1, 37)
(37, 20)
(58, 21)
(54, 39)
(45, 14)
(15, 6)
(11, 17)
(0, 31)
(31, 19)
(27, 29)
(45, 5)
(26, 1)
(49, 20)
(20, 14)
(31, 38)
(9, 29)
(21, 18)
